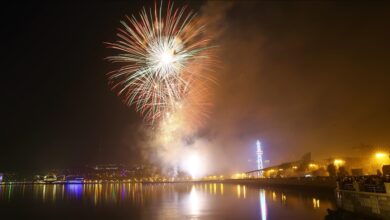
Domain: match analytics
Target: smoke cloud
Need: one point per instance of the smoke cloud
(296, 78)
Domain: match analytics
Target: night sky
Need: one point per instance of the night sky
(299, 76)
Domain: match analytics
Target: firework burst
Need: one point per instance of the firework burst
(161, 54)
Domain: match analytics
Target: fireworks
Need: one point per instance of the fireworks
(165, 71)
(164, 58)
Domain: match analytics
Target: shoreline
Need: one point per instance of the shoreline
(325, 183)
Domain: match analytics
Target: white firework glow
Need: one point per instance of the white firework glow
(158, 51)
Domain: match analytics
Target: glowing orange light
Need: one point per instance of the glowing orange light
(380, 155)
(338, 162)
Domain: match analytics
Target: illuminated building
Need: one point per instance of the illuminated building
(1, 177)
(106, 167)
(259, 154)
(110, 171)
(49, 178)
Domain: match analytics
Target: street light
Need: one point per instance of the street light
(381, 158)
(380, 155)
(338, 162)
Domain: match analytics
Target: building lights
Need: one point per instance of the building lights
(239, 176)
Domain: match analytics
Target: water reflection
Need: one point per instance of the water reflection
(194, 202)
(263, 205)
(74, 190)
(316, 203)
(178, 201)
(284, 198)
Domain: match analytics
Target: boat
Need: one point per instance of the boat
(74, 179)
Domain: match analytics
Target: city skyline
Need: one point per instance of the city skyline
(306, 83)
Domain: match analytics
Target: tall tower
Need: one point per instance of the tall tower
(259, 154)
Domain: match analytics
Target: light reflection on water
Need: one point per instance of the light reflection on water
(194, 202)
(176, 201)
(263, 205)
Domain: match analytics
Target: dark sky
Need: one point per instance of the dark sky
(57, 108)
(300, 76)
